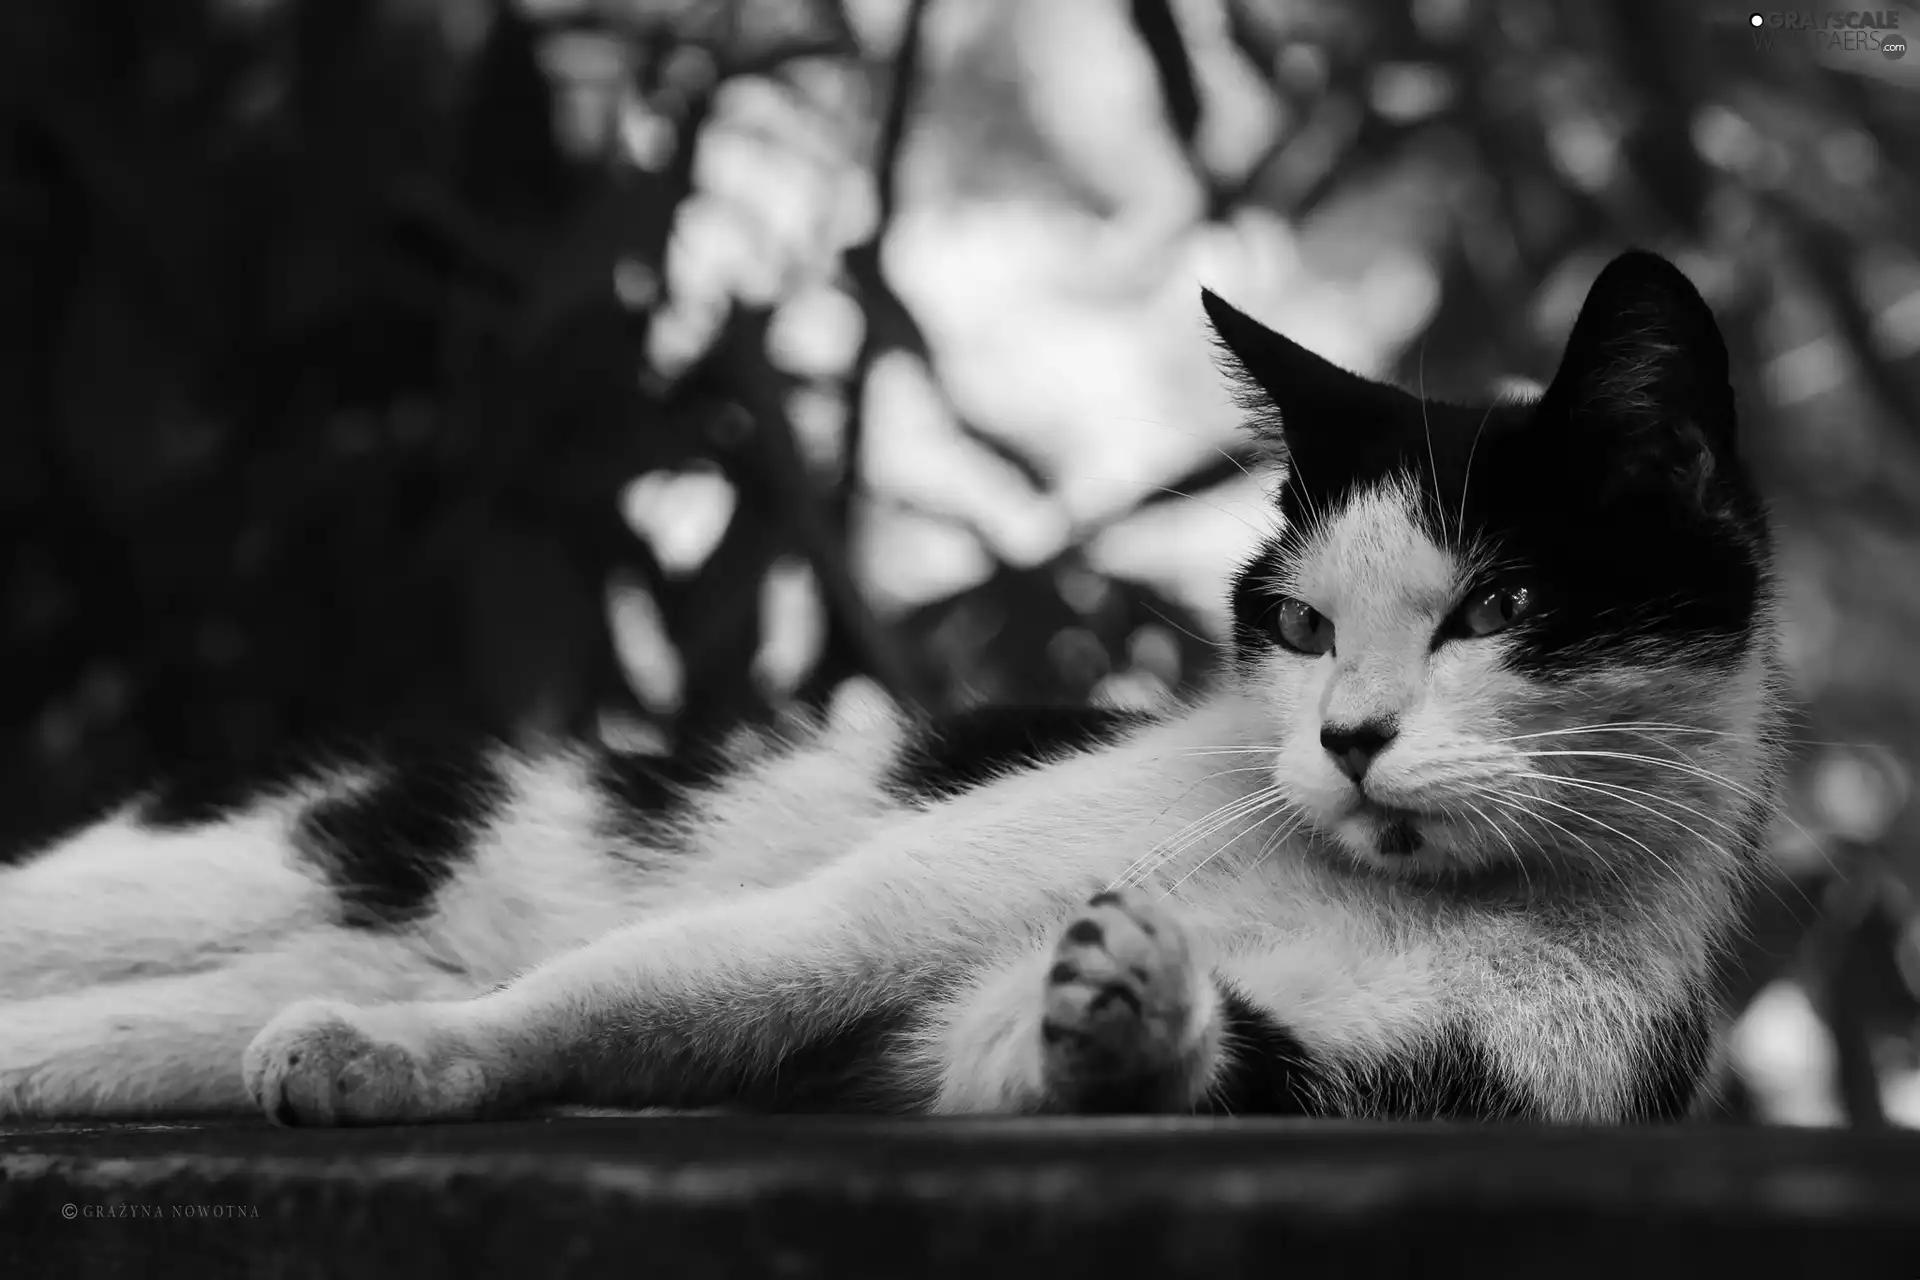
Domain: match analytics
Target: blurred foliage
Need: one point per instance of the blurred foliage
(327, 361)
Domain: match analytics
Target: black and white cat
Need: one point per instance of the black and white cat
(1458, 835)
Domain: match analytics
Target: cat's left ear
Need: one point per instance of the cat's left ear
(1644, 380)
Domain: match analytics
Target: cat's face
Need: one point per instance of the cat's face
(1535, 633)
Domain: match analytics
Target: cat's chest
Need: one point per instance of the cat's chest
(1298, 894)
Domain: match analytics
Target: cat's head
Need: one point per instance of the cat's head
(1532, 632)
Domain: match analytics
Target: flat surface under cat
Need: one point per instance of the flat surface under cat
(1060, 1197)
(1457, 834)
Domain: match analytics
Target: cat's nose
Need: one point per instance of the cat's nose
(1353, 747)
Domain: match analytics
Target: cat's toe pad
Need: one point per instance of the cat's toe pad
(322, 1062)
(1126, 1007)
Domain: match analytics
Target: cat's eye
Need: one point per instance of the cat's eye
(1299, 626)
(1494, 609)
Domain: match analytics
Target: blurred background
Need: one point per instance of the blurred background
(645, 368)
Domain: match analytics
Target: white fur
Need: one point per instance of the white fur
(118, 901)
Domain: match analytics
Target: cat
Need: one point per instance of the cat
(1459, 833)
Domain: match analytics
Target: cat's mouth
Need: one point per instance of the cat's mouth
(1395, 831)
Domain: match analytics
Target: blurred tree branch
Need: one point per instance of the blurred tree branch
(783, 478)
(890, 325)
(1154, 20)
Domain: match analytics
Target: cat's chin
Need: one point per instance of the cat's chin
(1383, 832)
(1398, 843)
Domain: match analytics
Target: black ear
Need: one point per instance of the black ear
(1313, 405)
(1644, 379)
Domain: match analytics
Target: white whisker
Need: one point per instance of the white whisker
(1599, 790)
(1199, 829)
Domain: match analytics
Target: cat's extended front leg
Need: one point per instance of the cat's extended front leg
(1113, 1012)
(658, 1013)
(738, 1000)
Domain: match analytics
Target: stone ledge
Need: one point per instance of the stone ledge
(697, 1196)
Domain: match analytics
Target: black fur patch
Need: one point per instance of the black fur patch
(1268, 1071)
(641, 794)
(953, 755)
(1265, 1070)
(1618, 499)
(1678, 1047)
(387, 845)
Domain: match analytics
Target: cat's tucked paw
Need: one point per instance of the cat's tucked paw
(321, 1062)
(1127, 1016)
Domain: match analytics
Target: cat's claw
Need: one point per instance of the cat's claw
(1127, 1013)
(322, 1062)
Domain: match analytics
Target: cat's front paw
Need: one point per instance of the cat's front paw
(321, 1062)
(1128, 1015)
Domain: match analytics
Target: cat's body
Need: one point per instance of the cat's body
(1459, 834)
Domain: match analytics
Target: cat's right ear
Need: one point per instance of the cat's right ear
(1293, 398)
(1643, 386)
